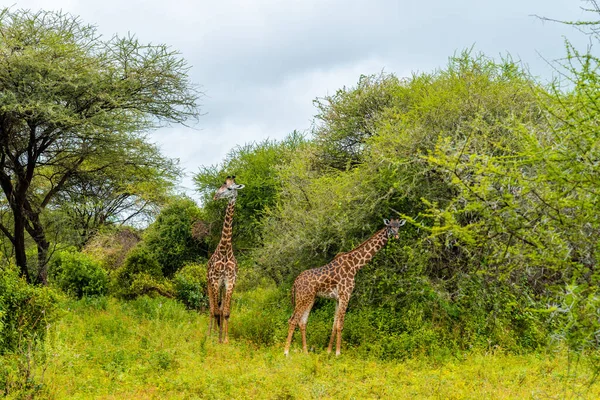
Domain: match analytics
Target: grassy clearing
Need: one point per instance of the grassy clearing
(154, 348)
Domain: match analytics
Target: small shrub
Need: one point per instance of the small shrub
(140, 260)
(576, 316)
(260, 316)
(190, 286)
(170, 237)
(112, 247)
(145, 307)
(145, 284)
(78, 274)
(25, 313)
(140, 274)
(25, 310)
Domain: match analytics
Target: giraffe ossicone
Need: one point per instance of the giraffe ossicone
(335, 281)
(221, 271)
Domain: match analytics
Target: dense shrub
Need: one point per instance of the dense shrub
(145, 284)
(153, 308)
(256, 166)
(190, 286)
(78, 274)
(260, 316)
(25, 310)
(140, 274)
(139, 260)
(170, 238)
(111, 246)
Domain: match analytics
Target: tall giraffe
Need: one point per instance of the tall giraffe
(222, 265)
(334, 281)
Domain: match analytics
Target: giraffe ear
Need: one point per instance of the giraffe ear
(402, 222)
(238, 187)
(386, 222)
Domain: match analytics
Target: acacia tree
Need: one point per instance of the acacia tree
(123, 185)
(68, 95)
(347, 119)
(257, 166)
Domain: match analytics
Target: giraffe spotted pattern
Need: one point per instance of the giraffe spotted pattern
(334, 281)
(222, 266)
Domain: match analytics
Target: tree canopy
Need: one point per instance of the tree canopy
(68, 99)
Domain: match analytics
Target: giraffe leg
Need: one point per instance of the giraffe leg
(304, 345)
(334, 329)
(303, 322)
(291, 329)
(213, 306)
(299, 317)
(340, 325)
(226, 310)
(220, 321)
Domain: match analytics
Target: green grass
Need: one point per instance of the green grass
(154, 348)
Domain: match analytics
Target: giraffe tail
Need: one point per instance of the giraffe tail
(221, 296)
(293, 296)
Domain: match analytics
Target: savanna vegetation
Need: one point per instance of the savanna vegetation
(492, 289)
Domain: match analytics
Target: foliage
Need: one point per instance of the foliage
(260, 316)
(78, 274)
(347, 119)
(526, 208)
(78, 105)
(140, 260)
(126, 184)
(146, 284)
(140, 274)
(130, 349)
(322, 212)
(111, 246)
(190, 286)
(256, 165)
(25, 311)
(170, 238)
(577, 318)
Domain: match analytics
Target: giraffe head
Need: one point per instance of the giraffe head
(393, 226)
(228, 189)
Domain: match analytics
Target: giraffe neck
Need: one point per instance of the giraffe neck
(357, 258)
(227, 224)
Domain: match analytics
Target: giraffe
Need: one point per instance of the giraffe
(222, 265)
(334, 281)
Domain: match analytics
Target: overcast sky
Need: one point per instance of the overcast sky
(261, 63)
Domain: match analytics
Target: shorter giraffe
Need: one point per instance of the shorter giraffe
(221, 271)
(334, 281)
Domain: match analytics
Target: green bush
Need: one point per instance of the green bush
(25, 310)
(111, 246)
(190, 286)
(576, 317)
(140, 274)
(260, 316)
(145, 284)
(170, 238)
(140, 260)
(256, 165)
(77, 274)
(150, 308)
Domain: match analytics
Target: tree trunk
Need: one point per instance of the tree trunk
(19, 235)
(42, 248)
(37, 233)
